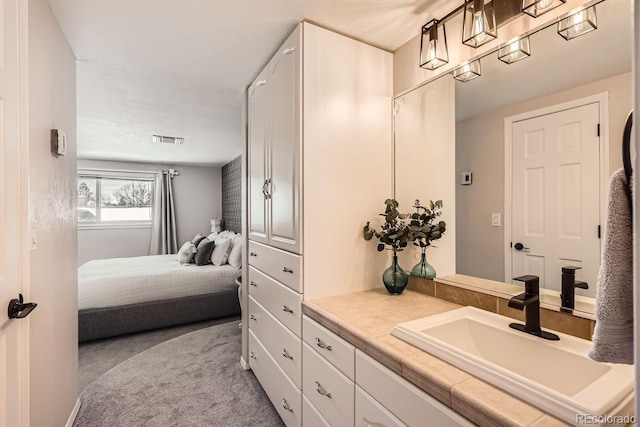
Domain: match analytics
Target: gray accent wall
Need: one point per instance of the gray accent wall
(232, 195)
(197, 194)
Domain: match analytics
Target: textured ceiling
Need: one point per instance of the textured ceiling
(177, 68)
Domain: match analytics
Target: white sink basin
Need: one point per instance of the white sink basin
(556, 376)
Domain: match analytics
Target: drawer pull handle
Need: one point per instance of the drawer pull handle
(287, 270)
(323, 345)
(288, 51)
(286, 309)
(252, 355)
(253, 317)
(322, 391)
(286, 354)
(286, 406)
(252, 283)
(253, 254)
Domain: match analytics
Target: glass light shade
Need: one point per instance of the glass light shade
(433, 45)
(578, 24)
(515, 51)
(536, 8)
(467, 71)
(479, 23)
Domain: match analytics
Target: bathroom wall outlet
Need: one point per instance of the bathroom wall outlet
(496, 219)
(466, 178)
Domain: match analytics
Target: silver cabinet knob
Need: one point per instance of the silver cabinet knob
(252, 283)
(287, 270)
(286, 406)
(253, 254)
(286, 309)
(286, 354)
(320, 344)
(321, 390)
(253, 317)
(252, 355)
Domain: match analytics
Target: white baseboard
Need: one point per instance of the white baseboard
(244, 364)
(74, 413)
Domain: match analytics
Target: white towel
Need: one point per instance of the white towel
(613, 335)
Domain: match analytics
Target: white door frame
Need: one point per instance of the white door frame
(602, 99)
(25, 229)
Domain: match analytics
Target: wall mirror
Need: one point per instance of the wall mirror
(497, 118)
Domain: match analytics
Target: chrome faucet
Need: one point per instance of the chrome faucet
(569, 285)
(529, 301)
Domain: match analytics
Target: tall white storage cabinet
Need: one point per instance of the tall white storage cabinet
(319, 150)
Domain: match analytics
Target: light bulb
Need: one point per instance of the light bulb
(543, 4)
(480, 26)
(431, 51)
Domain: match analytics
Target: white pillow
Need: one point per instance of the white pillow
(213, 236)
(235, 256)
(186, 252)
(221, 251)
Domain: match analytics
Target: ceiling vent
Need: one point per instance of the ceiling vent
(168, 140)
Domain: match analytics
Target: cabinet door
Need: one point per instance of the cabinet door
(285, 143)
(257, 154)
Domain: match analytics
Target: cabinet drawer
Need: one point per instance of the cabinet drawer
(369, 412)
(333, 348)
(310, 415)
(283, 266)
(328, 389)
(285, 396)
(282, 344)
(404, 400)
(283, 303)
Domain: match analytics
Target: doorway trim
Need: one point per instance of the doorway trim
(602, 99)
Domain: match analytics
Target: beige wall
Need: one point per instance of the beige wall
(480, 149)
(54, 324)
(197, 198)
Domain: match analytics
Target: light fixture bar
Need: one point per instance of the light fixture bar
(467, 71)
(578, 24)
(536, 8)
(433, 45)
(515, 51)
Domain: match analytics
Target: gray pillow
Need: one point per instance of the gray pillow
(221, 251)
(199, 238)
(203, 254)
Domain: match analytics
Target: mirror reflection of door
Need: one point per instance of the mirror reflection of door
(555, 193)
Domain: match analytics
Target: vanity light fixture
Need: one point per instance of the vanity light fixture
(579, 23)
(536, 8)
(515, 51)
(478, 23)
(467, 71)
(433, 45)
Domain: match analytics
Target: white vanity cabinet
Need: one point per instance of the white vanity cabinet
(319, 143)
(274, 149)
(406, 403)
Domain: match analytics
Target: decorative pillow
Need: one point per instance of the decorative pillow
(205, 248)
(221, 251)
(196, 240)
(235, 256)
(213, 236)
(185, 254)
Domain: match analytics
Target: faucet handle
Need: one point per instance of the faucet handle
(570, 269)
(527, 279)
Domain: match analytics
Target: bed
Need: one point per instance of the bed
(125, 295)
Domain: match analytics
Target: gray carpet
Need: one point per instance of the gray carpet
(192, 380)
(97, 357)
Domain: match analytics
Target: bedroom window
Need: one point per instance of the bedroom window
(108, 200)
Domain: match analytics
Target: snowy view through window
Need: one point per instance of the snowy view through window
(105, 200)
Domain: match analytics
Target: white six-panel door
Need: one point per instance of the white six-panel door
(13, 358)
(556, 195)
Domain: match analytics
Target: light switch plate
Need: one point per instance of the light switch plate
(465, 178)
(34, 235)
(496, 219)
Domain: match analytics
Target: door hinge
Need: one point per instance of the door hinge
(599, 231)
(598, 129)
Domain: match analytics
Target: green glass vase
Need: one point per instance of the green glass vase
(395, 278)
(424, 269)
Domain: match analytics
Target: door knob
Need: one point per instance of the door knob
(18, 309)
(519, 246)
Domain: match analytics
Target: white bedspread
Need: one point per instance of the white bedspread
(123, 281)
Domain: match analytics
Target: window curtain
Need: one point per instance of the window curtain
(163, 234)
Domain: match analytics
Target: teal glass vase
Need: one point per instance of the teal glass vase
(424, 269)
(395, 278)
